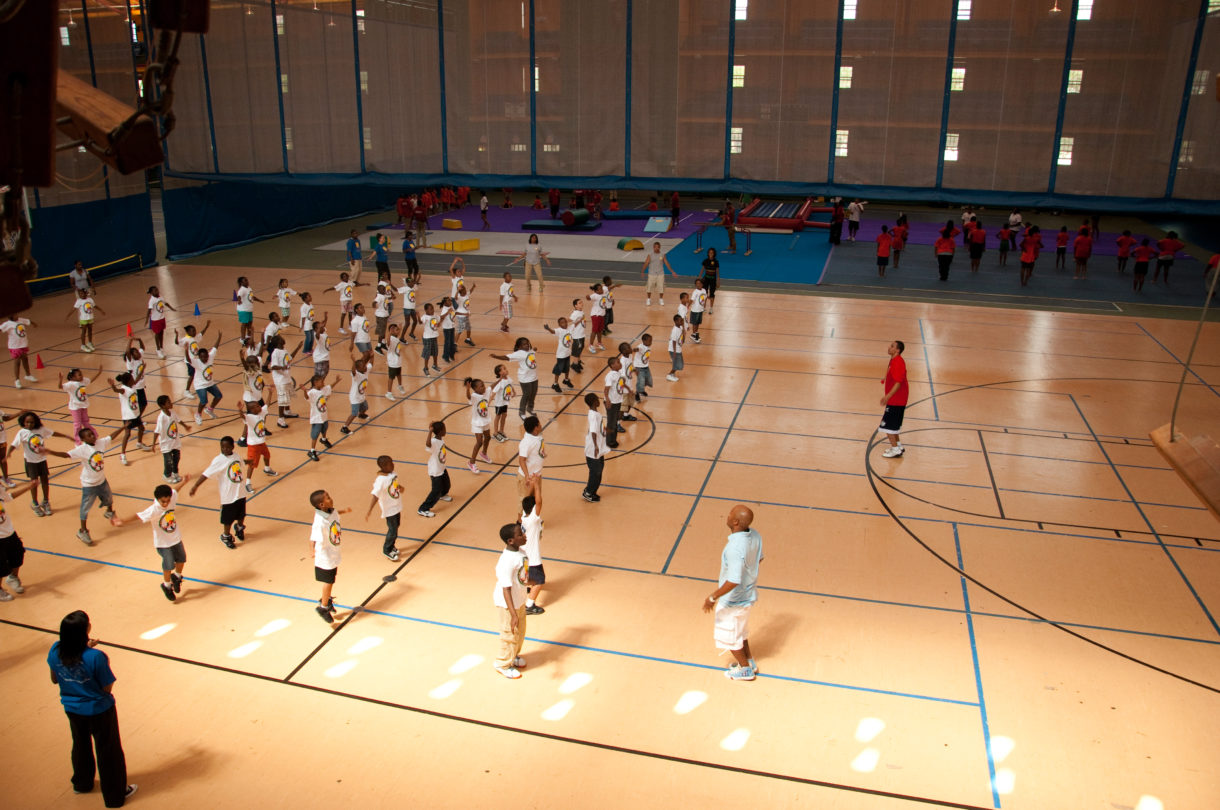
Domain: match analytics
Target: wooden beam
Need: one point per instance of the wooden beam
(1197, 460)
(96, 116)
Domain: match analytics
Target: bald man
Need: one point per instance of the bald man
(737, 592)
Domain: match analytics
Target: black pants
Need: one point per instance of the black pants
(529, 390)
(578, 347)
(595, 465)
(169, 462)
(391, 533)
(945, 260)
(102, 731)
(450, 350)
(555, 211)
(836, 232)
(440, 486)
(613, 410)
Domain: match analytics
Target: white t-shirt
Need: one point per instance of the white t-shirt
(227, 470)
(135, 365)
(156, 307)
(598, 308)
(463, 303)
(854, 210)
(129, 405)
(509, 573)
(533, 449)
(576, 324)
(321, 349)
(480, 411)
(84, 309)
(345, 290)
(317, 404)
(684, 311)
(698, 300)
(408, 293)
(283, 294)
(280, 375)
(431, 326)
(306, 317)
(360, 385)
(164, 523)
(506, 292)
(615, 384)
(92, 461)
(627, 362)
(563, 347)
(393, 355)
(436, 456)
(676, 337)
(483, 203)
(270, 330)
(527, 365)
(80, 280)
(33, 443)
(326, 537)
(389, 494)
(609, 298)
(18, 335)
(78, 397)
(256, 428)
(643, 354)
(6, 525)
(190, 345)
(446, 317)
(502, 393)
(595, 447)
(454, 281)
(252, 386)
(245, 299)
(168, 432)
(531, 526)
(360, 328)
(381, 305)
(203, 373)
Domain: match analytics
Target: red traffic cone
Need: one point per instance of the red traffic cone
(128, 330)
(38, 361)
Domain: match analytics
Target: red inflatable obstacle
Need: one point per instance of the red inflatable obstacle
(776, 215)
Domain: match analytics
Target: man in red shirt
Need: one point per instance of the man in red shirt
(553, 198)
(729, 220)
(894, 399)
(1166, 250)
(884, 243)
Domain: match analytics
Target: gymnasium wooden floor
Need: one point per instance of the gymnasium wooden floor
(1073, 666)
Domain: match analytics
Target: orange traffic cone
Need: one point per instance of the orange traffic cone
(38, 361)
(128, 330)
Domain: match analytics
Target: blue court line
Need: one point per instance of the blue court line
(1177, 360)
(978, 675)
(928, 365)
(1152, 529)
(711, 468)
(830, 253)
(485, 631)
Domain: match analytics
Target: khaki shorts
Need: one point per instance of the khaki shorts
(655, 284)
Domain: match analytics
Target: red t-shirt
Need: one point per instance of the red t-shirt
(944, 245)
(977, 235)
(554, 196)
(1168, 247)
(1213, 262)
(896, 372)
(899, 235)
(1030, 246)
(1061, 239)
(421, 213)
(1124, 246)
(884, 242)
(1143, 253)
(1082, 248)
(673, 200)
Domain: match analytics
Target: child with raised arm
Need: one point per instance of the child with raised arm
(281, 376)
(480, 421)
(321, 349)
(75, 385)
(133, 358)
(387, 493)
(245, 298)
(256, 443)
(347, 291)
(189, 343)
(563, 353)
(129, 412)
(169, 439)
(85, 307)
(308, 320)
(437, 474)
(577, 321)
(608, 288)
(167, 536)
(326, 536)
(31, 438)
(93, 485)
(698, 302)
(318, 393)
(462, 302)
(393, 362)
(410, 295)
(383, 304)
(449, 344)
(204, 382)
(527, 373)
(507, 297)
(597, 318)
(357, 395)
(431, 326)
(19, 346)
(501, 396)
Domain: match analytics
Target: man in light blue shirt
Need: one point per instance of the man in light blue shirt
(737, 592)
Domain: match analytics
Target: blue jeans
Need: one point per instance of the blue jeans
(308, 341)
(449, 352)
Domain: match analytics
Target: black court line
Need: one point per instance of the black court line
(990, 474)
(487, 724)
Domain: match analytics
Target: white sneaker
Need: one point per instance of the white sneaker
(647, 302)
(5, 596)
(31, 378)
(91, 347)
(84, 347)
(342, 331)
(662, 302)
(123, 460)
(14, 583)
(160, 354)
(198, 418)
(16, 383)
(249, 486)
(671, 378)
(390, 397)
(894, 452)
(402, 392)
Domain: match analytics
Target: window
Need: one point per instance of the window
(368, 138)
(1084, 11)
(360, 20)
(1213, 6)
(1075, 79)
(279, 24)
(735, 140)
(364, 81)
(1199, 85)
(957, 79)
(135, 37)
(283, 83)
(951, 139)
(739, 75)
(517, 147)
(65, 35)
(741, 8)
(841, 143)
(963, 9)
(288, 138)
(550, 147)
(1065, 150)
(849, 9)
(537, 79)
(845, 77)
(1186, 155)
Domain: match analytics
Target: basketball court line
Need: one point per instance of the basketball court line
(1177, 360)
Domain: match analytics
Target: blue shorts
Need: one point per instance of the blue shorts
(676, 358)
(359, 408)
(317, 429)
(202, 393)
(245, 317)
(88, 495)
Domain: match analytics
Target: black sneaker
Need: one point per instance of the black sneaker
(312, 455)
(131, 789)
(534, 610)
(324, 613)
(168, 591)
(239, 529)
(267, 432)
(468, 342)
(630, 418)
(568, 383)
(612, 445)
(291, 415)
(331, 605)
(345, 430)
(325, 442)
(227, 539)
(556, 388)
(621, 429)
(362, 416)
(176, 581)
(588, 497)
(391, 555)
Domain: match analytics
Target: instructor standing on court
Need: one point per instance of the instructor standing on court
(737, 592)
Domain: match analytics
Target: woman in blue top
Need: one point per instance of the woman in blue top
(381, 250)
(85, 680)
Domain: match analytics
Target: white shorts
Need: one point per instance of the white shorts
(732, 627)
(655, 284)
(283, 395)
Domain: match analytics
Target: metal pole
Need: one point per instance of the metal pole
(1173, 418)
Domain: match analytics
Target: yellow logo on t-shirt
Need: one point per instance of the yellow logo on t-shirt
(394, 489)
(567, 341)
(260, 428)
(362, 387)
(20, 330)
(334, 533)
(34, 443)
(234, 472)
(481, 407)
(321, 404)
(81, 394)
(171, 430)
(531, 360)
(441, 455)
(168, 523)
(96, 461)
(133, 402)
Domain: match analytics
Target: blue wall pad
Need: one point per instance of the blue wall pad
(96, 232)
(228, 213)
(790, 258)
